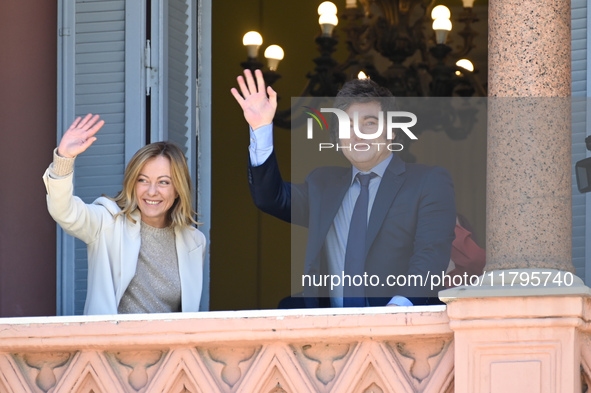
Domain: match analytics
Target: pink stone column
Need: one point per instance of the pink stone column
(515, 335)
(529, 46)
(529, 135)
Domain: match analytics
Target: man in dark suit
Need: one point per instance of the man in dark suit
(386, 223)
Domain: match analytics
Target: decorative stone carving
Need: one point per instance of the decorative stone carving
(11, 376)
(88, 384)
(373, 388)
(370, 374)
(325, 355)
(182, 385)
(139, 362)
(182, 370)
(46, 363)
(278, 389)
(451, 388)
(3, 387)
(89, 371)
(420, 352)
(275, 364)
(231, 358)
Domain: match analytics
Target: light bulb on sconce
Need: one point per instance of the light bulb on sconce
(465, 64)
(440, 11)
(442, 27)
(362, 75)
(327, 7)
(274, 54)
(327, 23)
(441, 23)
(252, 41)
(328, 17)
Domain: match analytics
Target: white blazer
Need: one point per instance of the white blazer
(113, 247)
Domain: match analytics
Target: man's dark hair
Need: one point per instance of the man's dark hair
(360, 91)
(363, 88)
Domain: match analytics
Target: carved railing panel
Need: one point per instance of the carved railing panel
(287, 354)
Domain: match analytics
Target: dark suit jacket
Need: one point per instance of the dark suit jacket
(410, 229)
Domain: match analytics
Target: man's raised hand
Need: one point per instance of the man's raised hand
(259, 109)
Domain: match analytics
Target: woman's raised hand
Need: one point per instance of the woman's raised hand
(79, 136)
(258, 109)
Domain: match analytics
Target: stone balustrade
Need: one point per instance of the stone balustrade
(272, 351)
(519, 344)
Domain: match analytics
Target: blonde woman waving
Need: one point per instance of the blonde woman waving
(144, 253)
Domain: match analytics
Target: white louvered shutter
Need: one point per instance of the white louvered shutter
(100, 66)
(173, 97)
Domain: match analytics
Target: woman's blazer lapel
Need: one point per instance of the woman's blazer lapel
(190, 257)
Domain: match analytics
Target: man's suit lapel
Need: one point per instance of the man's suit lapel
(389, 187)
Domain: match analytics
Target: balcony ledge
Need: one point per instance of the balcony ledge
(57, 333)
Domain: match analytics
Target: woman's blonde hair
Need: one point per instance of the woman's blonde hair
(181, 212)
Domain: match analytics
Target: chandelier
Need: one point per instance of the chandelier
(400, 44)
